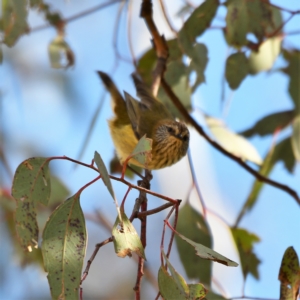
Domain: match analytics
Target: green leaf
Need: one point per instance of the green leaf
(270, 123)
(244, 242)
(146, 64)
(126, 239)
(232, 142)
(264, 170)
(212, 296)
(264, 59)
(197, 23)
(31, 185)
(177, 77)
(292, 70)
(14, 20)
(104, 174)
(199, 59)
(7, 207)
(197, 291)
(142, 151)
(198, 230)
(237, 23)
(283, 152)
(244, 16)
(35, 3)
(60, 53)
(296, 138)
(236, 69)
(63, 248)
(289, 275)
(174, 286)
(148, 60)
(168, 287)
(208, 253)
(179, 280)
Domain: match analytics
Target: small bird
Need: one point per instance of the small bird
(133, 119)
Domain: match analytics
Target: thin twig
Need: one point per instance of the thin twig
(174, 226)
(160, 45)
(116, 34)
(195, 183)
(97, 247)
(100, 218)
(200, 130)
(162, 5)
(141, 202)
(79, 15)
(114, 178)
(154, 211)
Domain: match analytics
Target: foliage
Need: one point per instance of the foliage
(254, 31)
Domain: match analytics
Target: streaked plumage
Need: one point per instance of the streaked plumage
(149, 116)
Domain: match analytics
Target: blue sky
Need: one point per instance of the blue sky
(47, 112)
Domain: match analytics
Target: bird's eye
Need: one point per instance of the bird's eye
(170, 129)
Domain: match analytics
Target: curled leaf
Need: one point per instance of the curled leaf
(126, 239)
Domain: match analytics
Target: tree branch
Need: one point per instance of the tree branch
(189, 119)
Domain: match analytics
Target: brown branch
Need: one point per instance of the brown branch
(129, 184)
(141, 202)
(101, 219)
(79, 15)
(160, 45)
(238, 160)
(97, 247)
(153, 211)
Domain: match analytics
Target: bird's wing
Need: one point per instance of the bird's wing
(133, 110)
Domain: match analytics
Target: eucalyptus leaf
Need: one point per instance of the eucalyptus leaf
(126, 239)
(104, 174)
(292, 70)
(142, 151)
(177, 77)
(31, 184)
(270, 123)
(60, 54)
(197, 23)
(289, 275)
(196, 229)
(14, 20)
(63, 248)
(236, 69)
(244, 241)
(232, 142)
(265, 57)
(243, 17)
(207, 253)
